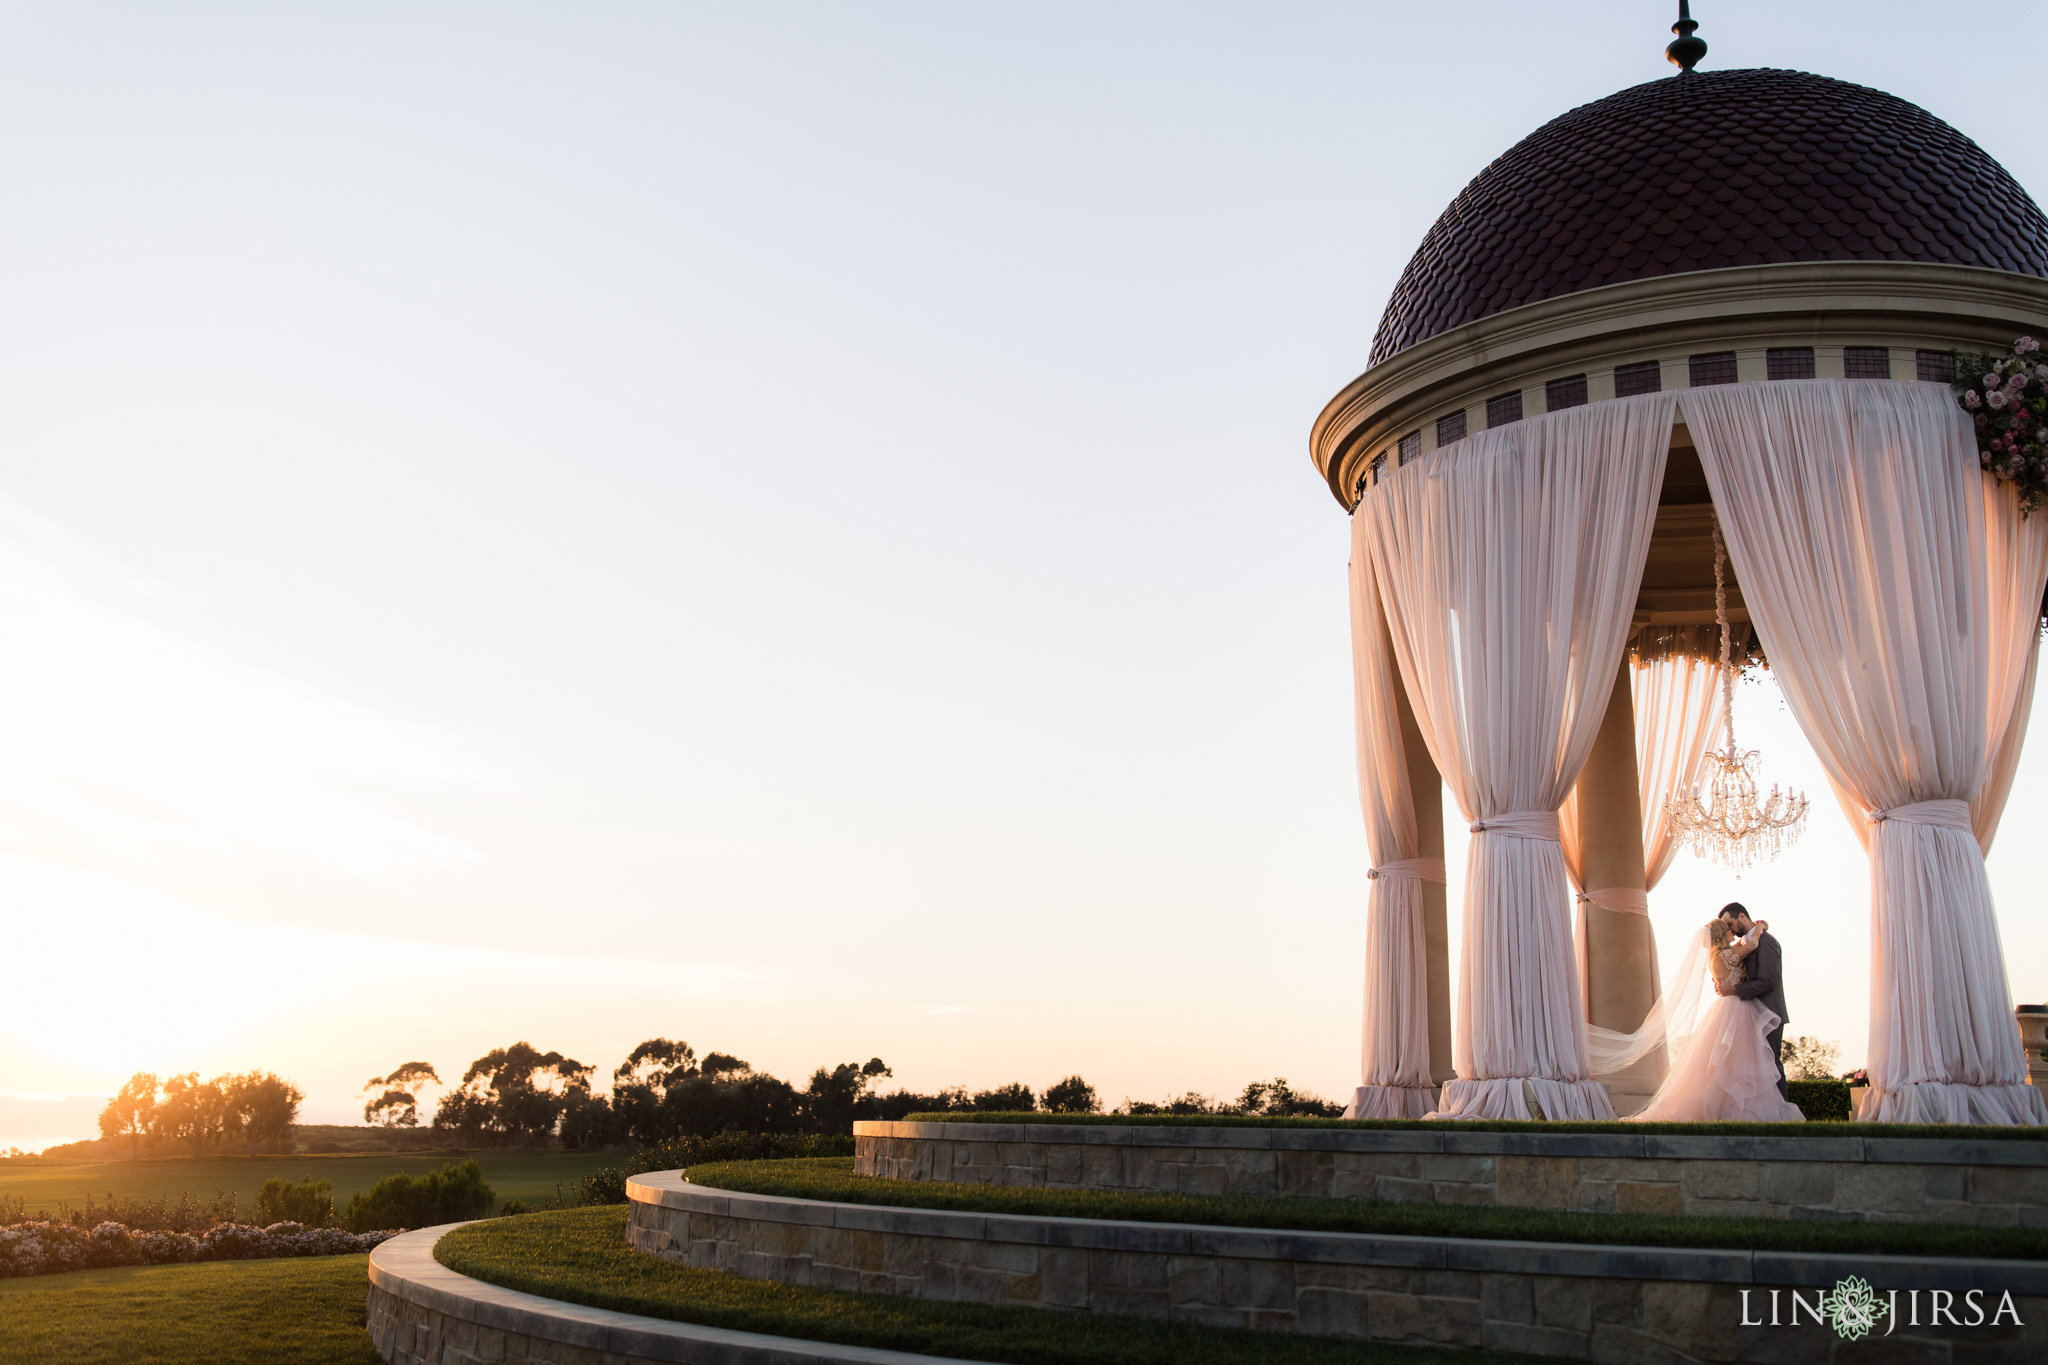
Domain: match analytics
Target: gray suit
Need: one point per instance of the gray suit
(1766, 983)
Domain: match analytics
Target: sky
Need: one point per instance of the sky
(788, 527)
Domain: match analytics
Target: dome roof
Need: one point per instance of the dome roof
(1706, 170)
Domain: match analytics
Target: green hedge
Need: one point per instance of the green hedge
(1951, 1131)
(835, 1181)
(453, 1194)
(1824, 1101)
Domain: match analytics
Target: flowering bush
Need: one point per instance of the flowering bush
(46, 1248)
(2007, 398)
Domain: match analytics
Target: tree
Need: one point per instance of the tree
(1014, 1098)
(1277, 1099)
(640, 1086)
(261, 1105)
(527, 1088)
(1811, 1059)
(398, 1106)
(832, 1100)
(465, 1112)
(130, 1112)
(1072, 1096)
(587, 1119)
(193, 1112)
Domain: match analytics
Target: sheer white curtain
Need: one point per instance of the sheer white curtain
(1678, 719)
(1509, 565)
(1856, 519)
(1677, 704)
(1394, 1069)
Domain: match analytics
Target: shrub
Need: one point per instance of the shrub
(605, 1185)
(453, 1194)
(512, 1208)
(46, 1248)
(308, 1202)
(1821, 1101)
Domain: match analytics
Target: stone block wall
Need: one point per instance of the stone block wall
(1606, 1303)
(1854, 1178)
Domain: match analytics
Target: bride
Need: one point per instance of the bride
(1722, 1066)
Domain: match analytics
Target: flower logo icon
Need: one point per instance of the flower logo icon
(1853, 1308)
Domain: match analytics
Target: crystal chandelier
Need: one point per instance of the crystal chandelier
(1726, 820)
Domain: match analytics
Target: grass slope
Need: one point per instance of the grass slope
(1619, 1128)
(581, 1256)
(833, 1178)
(289, 1312)
(44, 1183)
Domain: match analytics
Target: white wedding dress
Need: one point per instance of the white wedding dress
(1725, 1069)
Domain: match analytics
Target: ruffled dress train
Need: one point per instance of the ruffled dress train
(1726, 1070)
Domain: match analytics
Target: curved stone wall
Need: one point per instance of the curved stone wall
(423, 1313)
(1851, 1177)
(1609, 1303)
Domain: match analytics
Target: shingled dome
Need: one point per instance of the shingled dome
(1707, 170)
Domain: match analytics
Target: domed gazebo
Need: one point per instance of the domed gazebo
(1724, 298)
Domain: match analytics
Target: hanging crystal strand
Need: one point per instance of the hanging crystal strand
(1725, 820)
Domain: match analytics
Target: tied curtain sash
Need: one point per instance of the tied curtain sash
(1508, 576)
(1896, 595)
(1394, 1073)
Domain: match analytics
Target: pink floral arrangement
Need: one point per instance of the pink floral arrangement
(2007, 398)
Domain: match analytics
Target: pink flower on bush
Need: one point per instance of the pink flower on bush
(1996, 398)
(2026, 344)
(1971, 400)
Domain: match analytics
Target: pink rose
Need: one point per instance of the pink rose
(2018, 381)
(2025, 344)
(1996, 398)
(1990, 380)
(1971, 400)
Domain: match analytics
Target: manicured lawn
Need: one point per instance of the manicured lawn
(833, 1178)
(581, 1256)
(513, 1174)
(292, 1312)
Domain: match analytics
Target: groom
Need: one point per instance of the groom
(1766, 983)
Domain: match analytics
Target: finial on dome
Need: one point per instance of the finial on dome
(1686, 50)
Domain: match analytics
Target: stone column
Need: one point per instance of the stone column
(1621, 966)
(1427, 786)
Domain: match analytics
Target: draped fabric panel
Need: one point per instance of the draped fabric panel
(1508, 567)
(2016, 564)
(1987, 807)
(1679, 718)
(1856, 518)
(1678, 714)
(1394, 1079)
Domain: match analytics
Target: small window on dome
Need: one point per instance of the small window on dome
(1630, 380)
(1716, 367)
(1504, 409)
(1866, 362)
(1569, 392)
(1376, 468)
(1788, 362)
(1450, 428)
(1411, 446)
(1934, 367)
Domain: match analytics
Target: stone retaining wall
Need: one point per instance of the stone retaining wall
(423, 1313)
(1605, 1303)
(1851, 1177)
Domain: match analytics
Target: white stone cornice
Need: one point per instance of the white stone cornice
(1826, 305)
